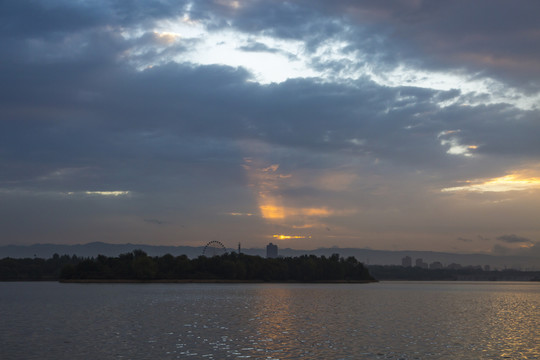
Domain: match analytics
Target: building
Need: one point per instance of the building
(406, 261)
(436, 265)
(271, 251)
(421, 264)
(454, 266)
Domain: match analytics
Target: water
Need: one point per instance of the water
(388, 320)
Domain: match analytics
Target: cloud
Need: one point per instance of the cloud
(286, 237)
(527, 249)
(108, 193)
(513, 182)
(155, 221)
(429, 35)
(458, 34)
(239, 214)
(434, 35)
(258, 47)
(514, 239)
(353, 115)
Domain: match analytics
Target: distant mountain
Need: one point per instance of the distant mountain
(367, 256)
(93, 249)
(386, 257)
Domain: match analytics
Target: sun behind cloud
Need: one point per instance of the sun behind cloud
(287, 237)
(274, 190)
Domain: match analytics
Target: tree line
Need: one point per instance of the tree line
(137, 265)
(397, 272)
(28, 269)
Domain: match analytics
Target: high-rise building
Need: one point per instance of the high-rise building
(406, 261)
(421, 264)
(271, 251)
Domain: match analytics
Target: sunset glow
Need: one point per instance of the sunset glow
(287, 237)
(505, 183)
(272, 212)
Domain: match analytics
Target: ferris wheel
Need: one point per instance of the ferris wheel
(214, 248)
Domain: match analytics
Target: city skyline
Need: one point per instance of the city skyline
(408, 125)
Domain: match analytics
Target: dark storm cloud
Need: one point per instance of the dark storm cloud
(29, 18)
(104, 114)
(108, 116)
(283, 19)
(495, 38)
(496, 129)
(514, 239)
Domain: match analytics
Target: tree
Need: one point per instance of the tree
(144, 267)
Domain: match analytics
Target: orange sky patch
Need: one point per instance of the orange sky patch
(512, 182)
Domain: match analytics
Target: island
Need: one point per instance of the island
(137, 266)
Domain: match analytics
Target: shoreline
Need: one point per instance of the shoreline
(206, 281)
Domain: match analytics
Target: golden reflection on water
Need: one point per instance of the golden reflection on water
(274, 321)
(300, 321)
(515, 332)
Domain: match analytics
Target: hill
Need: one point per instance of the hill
(366, 256)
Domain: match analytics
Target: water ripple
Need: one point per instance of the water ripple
(258, 321)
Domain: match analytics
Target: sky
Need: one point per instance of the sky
(395, 125)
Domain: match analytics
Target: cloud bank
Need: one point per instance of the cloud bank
(403, 125)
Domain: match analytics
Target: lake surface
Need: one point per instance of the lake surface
(387, 320)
